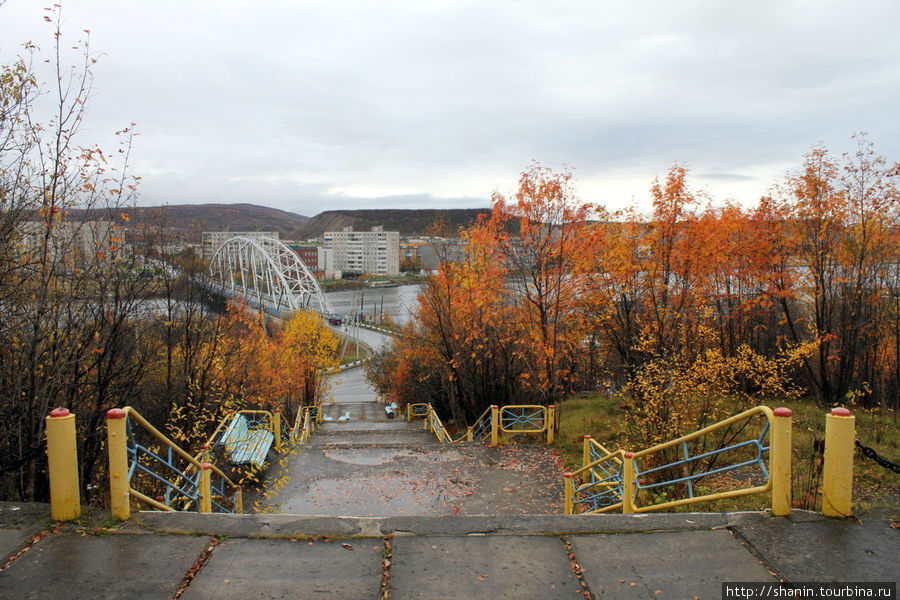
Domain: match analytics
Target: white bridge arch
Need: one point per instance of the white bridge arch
(266, 272)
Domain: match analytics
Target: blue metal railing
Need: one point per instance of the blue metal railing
(600, 486)
(163, 475)
(522, 419)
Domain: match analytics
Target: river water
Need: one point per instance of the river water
(396, 302)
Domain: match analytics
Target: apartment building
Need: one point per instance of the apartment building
(375, 252)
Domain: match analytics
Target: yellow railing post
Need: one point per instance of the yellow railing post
(205, 488)
(62, 465)
(780, 461)
(495, 425)
(837, 472)
(569, 492)
(276, 426)
(238, 500)
(408, 413)
(628, 484)
(117, 448)
(469, 433)
(586, 451)
(551, 423)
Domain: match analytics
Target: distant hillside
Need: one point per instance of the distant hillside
(407, 222)
(189, 220)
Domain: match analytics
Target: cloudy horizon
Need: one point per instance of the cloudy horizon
(312, 106)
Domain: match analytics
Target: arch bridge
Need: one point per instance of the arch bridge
(265, 272)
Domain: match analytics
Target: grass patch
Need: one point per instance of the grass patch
(603, 417)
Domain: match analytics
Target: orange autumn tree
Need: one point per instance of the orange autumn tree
(547, 264)
(843, 239)
(304, 348)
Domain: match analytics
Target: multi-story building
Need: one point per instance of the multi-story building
(313, 257)
(212, 240)
(375, 252)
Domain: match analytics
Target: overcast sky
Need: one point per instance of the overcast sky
(309, 106)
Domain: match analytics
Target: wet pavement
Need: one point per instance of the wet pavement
(370, 466)
(231, 557)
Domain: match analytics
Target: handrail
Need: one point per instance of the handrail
(419, 409)
(433, 421)
(191, 483)
(611, 480)
(304, 427)
(523, 418)
(481, 428)
(513, 418)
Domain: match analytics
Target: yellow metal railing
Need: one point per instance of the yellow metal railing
(433, 423)
(138, 452)
(609, 480)
(305, 424)
(511, 419)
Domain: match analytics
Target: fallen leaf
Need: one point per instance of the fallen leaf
(347, 546)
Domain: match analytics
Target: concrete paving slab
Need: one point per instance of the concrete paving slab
(432, 479)
(257, 525)
(686, 564)
(115, 566)
(250, 569)
(828, 550)
(514, 567)
(19, 522)
(13, 540)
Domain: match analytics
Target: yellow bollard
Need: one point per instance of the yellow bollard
(408, 413)
(238, 500)
(586, 452)
(276, 428)
(205, 490)
(117, 448)
(551, 423)
(569, 493)
(837, 472)
(628, 484)
(469, 433)
(495, 425)
(62, 465)
(780, 461)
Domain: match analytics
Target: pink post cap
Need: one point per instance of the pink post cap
(115, 413)
(629, 455)
(783, 411)
(587, 436)
(60, 412)
(205, 446)
(206, 466)
(840, 411)
(567, 474)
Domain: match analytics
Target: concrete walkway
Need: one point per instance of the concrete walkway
(363, 464)
(376, 508)
(515, 556)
